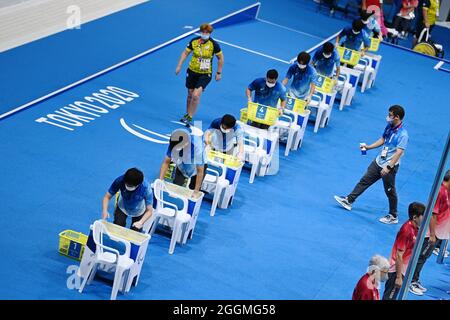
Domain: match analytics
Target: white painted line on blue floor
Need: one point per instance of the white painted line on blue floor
(288, 28)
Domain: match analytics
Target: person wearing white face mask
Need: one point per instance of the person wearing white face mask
(226, 135)
(135, 199)
(326, 59)
(393, 142)
(199, 72)
(354, 37)
(304, 77)
(267, 92)
(368, 286)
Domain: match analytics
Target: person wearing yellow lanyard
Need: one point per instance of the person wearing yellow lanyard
(427, 12)
(199, 72)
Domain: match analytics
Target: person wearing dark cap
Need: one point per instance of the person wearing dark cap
(354, 37)
(226, 135)
(135, 199)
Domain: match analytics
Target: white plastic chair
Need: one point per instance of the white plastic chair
(287, 125)
(215, 183)
(109, 256)
(168, 212)
(252, 153)
(301, 120)
(350, 84)
(368, 73)
(323, 110)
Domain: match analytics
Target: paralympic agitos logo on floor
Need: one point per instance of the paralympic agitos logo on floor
(92, 107)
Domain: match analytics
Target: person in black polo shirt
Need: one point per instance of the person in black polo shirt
(199, 72)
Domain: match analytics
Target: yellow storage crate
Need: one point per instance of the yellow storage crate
(262, 114)
(72, 244)
(374, 44)
(296, 105)
(324, 84)
(349, 56)
(227, 159)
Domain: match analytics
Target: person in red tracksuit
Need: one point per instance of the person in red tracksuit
(367, 286)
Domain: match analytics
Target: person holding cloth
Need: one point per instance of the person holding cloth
(186, 151)
(199, 72)
(438, 230)
(367, 287)
(304, 77)
(135, 199)
(393, 142)
(226, 135)
(402, 251)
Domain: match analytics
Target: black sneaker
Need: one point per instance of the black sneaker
(343, 201)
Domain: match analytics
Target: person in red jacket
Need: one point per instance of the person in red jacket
(367, 287)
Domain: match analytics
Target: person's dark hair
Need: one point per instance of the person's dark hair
(416, 209)
(328, 47)
(133, 177)
(228, 121)
(272, 74)
(303, 57)
(397, 111)
(447, 176)
(357, 25)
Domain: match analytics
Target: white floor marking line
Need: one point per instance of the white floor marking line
(318, 45)
(251, 51)
(439, 65)
(290, 29)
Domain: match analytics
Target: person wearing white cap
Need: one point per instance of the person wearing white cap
(367, 287)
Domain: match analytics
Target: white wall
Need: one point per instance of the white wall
(23, 21)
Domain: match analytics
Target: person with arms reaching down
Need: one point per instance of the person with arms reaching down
(226, 135)
(267, 92)
(186, 151)
(368, 286)
(354, 37)
(402, 250)
(385, 166)
(199, 72)
(304, 78)
(134, 200)
(326, 60)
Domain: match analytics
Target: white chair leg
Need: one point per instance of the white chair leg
(85, 279)
(117, 279)
(253, 171)
(175, 235)
(318, 119)
(92, 276)
(154, 225)
(215, 199)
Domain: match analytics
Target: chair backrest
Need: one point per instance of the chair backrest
(159, 189)
(98, 230)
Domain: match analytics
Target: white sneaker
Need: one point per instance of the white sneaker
(389, 219)
(420, 286)
(436, 252)
(343, 201)
(413, 288)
